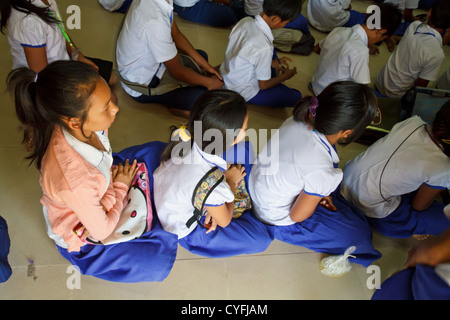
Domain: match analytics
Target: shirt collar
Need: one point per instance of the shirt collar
(210, 158)
(328, 147)
(360, 31)
(264, 27)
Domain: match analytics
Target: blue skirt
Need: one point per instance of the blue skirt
(419, 283)
(146, 259)
(5, 268)
(404, 221)
(332, 232)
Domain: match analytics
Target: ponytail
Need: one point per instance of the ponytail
(61, 90)
(342, 105)
(25, 6)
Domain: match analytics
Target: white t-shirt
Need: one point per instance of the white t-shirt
(404, 4)
(296, 159)
(174, 184)
(248, 57)
(325, 15)
(145, 42)
(418, 160)
(186, 3)
(418, 55)
(344, 55)
(31, 31)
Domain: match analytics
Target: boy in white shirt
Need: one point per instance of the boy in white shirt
(344, 53)
(419, 54)
(325, 15)
(250, 57)
(148, 46)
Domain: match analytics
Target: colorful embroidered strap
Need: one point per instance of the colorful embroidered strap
(202, 190)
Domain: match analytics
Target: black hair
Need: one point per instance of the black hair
(342, 105)
(62, 89)
(284, 9)
(221, 109)
(25, 6)
(390, 17)
(440, 14)
(441, 127)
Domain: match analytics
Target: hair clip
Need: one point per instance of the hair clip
(183, 133)
(313, 106)
(36, 77)
(446, 141)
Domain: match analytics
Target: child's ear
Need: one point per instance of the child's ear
(73, 123)
(382, 33)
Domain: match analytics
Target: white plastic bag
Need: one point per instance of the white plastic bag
(336, 266)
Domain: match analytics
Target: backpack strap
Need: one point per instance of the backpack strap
(202, 190)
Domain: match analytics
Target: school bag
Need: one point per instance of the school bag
(167, 83)
(206, 186)
(293, 41)
(136, 216)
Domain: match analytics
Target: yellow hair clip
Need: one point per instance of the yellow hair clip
(183, 133)
(446, 141)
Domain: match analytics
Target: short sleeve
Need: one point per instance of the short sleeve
(220, 195)
(322, 182)
(359, 68)
(431, 64)
(30, 32)
(159, 39)
(439, 181)
(263, 65)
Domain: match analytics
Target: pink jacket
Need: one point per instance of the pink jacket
(74, 192)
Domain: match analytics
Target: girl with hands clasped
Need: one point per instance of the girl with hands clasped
(294, 188)
(216, 124)
(66, 111)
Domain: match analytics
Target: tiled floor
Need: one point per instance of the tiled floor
(281, 272)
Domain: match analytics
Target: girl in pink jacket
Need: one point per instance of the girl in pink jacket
(66, 111)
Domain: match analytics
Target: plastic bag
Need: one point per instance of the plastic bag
(336, 266)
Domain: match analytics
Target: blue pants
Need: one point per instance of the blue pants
(146, 259)
(426, 4)
(332, 232)
(355, 18)
(5, 268)
(402, 28)
(182, 98)
(405, 221)
(299, 24)
(207, 12)
(279, 96)
(419, 283)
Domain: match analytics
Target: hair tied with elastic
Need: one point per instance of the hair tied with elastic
(183, 133)
(313, 106)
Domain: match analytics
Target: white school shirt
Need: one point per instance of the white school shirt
(344, 55)
(174, 184)
(111, 5)
(145, 42)
(186, 3)
(248, 57)
(418, 55)
(419, 160)
(301, 161)
(325, 15)
(102, 160)
(33, 32)
(404, 4)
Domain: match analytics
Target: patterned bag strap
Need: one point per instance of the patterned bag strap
(202, 190)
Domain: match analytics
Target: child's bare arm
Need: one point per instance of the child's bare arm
(287, 74)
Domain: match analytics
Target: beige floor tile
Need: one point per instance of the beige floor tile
(281, 272)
